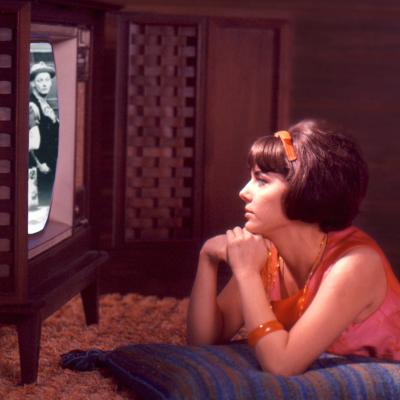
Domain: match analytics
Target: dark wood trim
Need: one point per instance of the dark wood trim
(119, 183)
(21, 90)
(48, 264)
(91, 4)
(201, 84)
(29, 331)
(54, 12)
(77, 274)
(90, 301)
(82, 206)
(267, 9)
(94, 125)
(249, 23)
(155, 18)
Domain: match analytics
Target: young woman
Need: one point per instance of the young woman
(304, 280)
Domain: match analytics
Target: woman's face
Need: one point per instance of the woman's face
(42, 83)
(263, 196)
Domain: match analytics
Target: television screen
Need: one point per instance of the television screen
(59, 79)
(43, 134)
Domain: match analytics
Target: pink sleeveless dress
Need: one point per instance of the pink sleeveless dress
(376, 336)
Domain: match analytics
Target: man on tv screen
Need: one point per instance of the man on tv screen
(43, 132)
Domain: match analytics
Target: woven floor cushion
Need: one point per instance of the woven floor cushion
(231, 372)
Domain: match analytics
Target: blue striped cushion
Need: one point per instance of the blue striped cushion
(164, 371)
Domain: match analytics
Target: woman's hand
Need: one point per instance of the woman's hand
(215, 249)
(247, 253)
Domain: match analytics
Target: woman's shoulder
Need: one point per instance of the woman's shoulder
(360, 270)
(351, 240)
(352, 257)
(353, 250)
(360, 259)
(354, 265)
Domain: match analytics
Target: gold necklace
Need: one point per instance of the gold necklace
(314, 265)
(275, 263)
(322, 245)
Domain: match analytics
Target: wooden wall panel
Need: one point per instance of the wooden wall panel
(245, 64)
(105, 158)
(345, 70)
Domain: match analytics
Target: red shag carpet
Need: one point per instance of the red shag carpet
(123, 319)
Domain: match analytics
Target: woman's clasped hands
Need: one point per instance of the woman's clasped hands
(246, 252)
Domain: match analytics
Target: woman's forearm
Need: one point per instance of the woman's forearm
(256, 307)
(271, 352)
(204, 321)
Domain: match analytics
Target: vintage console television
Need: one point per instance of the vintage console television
(41, 271)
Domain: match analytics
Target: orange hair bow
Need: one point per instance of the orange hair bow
(287, 142)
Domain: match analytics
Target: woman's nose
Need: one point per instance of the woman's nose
(244, 194)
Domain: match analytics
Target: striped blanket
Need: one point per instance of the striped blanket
(231, 372)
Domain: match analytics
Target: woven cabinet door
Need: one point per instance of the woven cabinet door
(158, 190)
(161, 132)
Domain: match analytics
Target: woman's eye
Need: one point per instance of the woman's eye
(259, 178)
(261, 181)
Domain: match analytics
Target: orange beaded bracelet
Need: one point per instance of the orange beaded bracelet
(263, 329)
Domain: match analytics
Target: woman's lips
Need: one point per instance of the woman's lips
(248, 213)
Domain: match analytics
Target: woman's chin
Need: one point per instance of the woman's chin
(251, 228)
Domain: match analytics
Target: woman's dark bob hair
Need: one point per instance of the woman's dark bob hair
(327, 181)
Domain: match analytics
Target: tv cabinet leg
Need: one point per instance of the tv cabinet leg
(29, 331)
(90, 301)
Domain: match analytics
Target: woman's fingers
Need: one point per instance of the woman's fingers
(237, 233)
(229, 235)
(246, 234)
